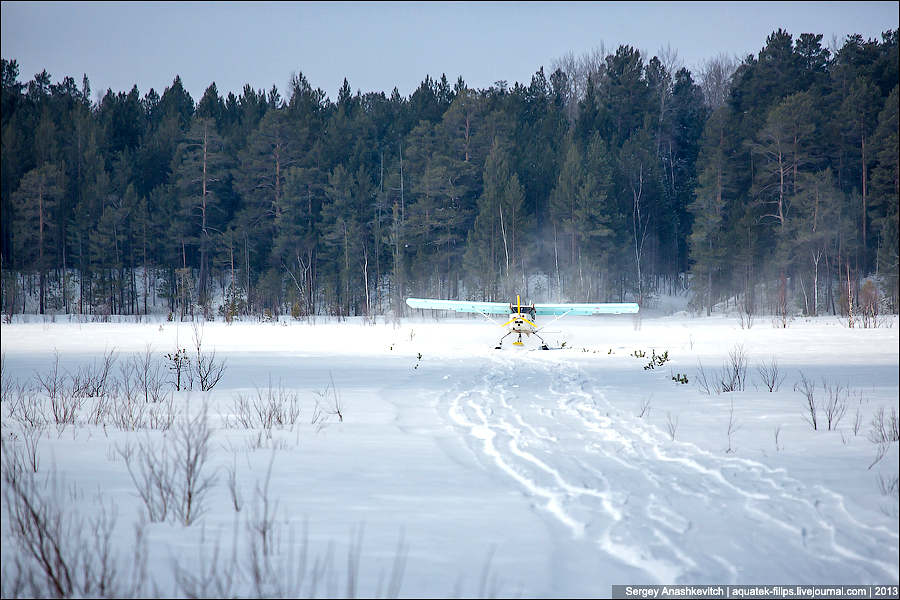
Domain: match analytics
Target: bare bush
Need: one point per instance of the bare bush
(24, 405)
(148, 373)
(64, 409)
(152, 474)
(31, 436)
(807, 387)
(272, 407)
(242, 413)
(671, 425)
(771, 376)
(139, 398)
(237, 500)
(191, 481)
(332, 401)
(883, 432)
(733, 426)
(211, 579)
(100, 410)
(64, 405)
(261, 524)
(5, 382)
(59, 553)
(295, 571)
(834, 406)
(857, 421)
(41, 531)
(319, 418)
(208, 370)
(881, 451)
(162, 414)
(645, 408)
(734, 373)
(884, 428)
(126, 407)
(173, 482)
(92, 381)
(889, 486)
(52, 381)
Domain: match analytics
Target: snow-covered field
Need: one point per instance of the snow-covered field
(424, 463)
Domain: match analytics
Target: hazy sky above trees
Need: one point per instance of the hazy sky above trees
(381, 45)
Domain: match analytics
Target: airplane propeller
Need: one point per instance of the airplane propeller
(519, 313)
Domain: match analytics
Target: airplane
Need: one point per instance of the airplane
(522, 318)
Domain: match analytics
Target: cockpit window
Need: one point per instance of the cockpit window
(525, 310)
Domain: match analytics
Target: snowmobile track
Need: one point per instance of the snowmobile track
(673, 511)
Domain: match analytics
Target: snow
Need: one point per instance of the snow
(481, 472)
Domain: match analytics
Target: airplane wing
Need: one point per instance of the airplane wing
(490, 308)
(615, 308)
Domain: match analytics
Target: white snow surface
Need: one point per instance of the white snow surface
(513, 472)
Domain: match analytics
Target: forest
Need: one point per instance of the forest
(767, 184)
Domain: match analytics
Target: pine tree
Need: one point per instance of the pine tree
(885, 190)
(342, 237)
(563, 213)
(260, 181)
(297, 237)
(706, 244)
(597, 221)
(859, 113)
(491, 252)
(813, 228)
(500, 212)
(638, 172)
(199, 170)
(35, 203)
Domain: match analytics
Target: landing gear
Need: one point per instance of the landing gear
(519, 342)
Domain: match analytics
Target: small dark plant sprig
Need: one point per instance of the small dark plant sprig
(657, 360)
(638, 354)
(178, 364)
(680, 378)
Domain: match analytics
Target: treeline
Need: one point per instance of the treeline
(771, 183)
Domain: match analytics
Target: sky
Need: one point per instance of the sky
(378, 46)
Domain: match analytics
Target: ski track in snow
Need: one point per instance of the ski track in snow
(668, 508)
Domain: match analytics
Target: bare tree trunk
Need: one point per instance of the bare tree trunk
(247, 263)
(41, 243)
(817, 256)
(366, 276)
(865, 177)
(145, 265)
(640, 230)
(203, 230)
(556, 258)
(505, 245)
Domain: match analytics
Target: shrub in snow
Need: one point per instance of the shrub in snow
(171, 478)
(60, 553)
(770, 375)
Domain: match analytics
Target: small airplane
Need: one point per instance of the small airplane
(522, 318)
